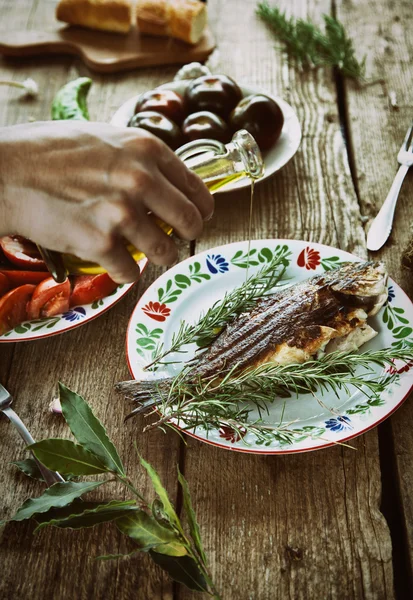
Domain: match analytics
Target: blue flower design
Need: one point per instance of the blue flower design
(216, 263)
(339, 423)
(74, 314)
(391, 295)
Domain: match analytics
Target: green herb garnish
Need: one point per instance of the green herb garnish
(154, 526)
(213, 403)
(309, 45)
(241, 299)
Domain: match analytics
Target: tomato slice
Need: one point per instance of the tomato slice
(49, 299)
(89, 288)
(4, 284)
(13, 307)
(17, 278)
(22, 252)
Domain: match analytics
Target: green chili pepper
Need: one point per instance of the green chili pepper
(70, 101)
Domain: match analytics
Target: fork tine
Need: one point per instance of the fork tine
(408, 139)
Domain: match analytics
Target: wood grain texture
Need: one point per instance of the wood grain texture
(305, 525)
(384, 37)
(104, 52)
(300, 526)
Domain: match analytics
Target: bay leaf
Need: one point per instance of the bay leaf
(29, 467)
(88, 430)
(182, 569)
(59, 494)
(67, 457)
(150, 534)
(91, 516)
(163, 495)
(190, 513)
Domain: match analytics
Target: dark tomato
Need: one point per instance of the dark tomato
(49, 299)
(22, 252)
(161, 126)
(17, 278)
(89, 288)
(4, 284)
(206, 125)
(216, 93)
(261, 116)
(168, 103)
(13, 307)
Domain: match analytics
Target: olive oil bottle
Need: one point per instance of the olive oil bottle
(219, 166)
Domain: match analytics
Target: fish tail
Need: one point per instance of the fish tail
(146, 394)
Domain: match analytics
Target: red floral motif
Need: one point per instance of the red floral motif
(157, 311)
(309, 258)
(230, 434)
(404, 369)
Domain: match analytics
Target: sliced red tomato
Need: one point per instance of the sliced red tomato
(22, 252)
(4, 284)
(49, 299)
(89, 288)
(13, 307)
(17, 278)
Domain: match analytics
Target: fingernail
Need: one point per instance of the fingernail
(209, 217)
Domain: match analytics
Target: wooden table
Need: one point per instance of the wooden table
(336, 523)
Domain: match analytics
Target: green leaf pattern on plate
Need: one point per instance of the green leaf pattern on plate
(147, 343)
(254, 258)
(174, 288)
(331, 263)
(392, 316)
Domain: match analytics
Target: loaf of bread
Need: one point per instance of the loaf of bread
(182, 19)
(107, 15)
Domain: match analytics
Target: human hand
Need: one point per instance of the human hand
(84, 188)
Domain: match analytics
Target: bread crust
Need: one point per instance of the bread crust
(181, 19)
(106, 15)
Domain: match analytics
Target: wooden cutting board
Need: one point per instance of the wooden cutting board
(105, 52)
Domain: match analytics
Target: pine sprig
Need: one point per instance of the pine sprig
(309, 45)
(211, 403)
(241, 299)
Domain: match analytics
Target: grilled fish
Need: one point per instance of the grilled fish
(324, 313)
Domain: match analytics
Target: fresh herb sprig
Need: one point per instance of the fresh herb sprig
(309, 45)
(241, 299)
(214, 403)
(154, 527)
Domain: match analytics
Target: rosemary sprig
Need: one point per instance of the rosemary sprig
(309, 45)
(241, 299)
(212, 403)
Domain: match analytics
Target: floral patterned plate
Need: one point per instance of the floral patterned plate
(274, 158)
(191, 287)
(76, 316)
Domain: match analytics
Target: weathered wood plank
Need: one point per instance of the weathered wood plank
(382, 30)
(305, 525)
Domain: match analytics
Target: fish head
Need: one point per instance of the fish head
(361, 285)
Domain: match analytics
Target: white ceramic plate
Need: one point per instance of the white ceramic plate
(191, 287)
(274, 159)
(74, 317)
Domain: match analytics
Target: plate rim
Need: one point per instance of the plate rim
(282, 450)
(246, 90)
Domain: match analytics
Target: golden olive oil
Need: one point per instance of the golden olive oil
(219, 166)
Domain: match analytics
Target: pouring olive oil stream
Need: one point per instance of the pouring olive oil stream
(219, 166)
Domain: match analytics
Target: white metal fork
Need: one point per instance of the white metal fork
(6, 400)
(381, 227)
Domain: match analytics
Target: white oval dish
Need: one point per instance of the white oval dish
(274, 159)
(192, 286)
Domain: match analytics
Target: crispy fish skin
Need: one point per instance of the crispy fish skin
(324, 313)
(294, 325)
